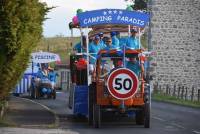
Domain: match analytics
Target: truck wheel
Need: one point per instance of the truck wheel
(147, 115)
(139, 117)
(90, 103)
(96, 116)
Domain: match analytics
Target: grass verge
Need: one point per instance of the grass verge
(174, 100)
(5, 123)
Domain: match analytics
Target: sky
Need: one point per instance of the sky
(59, 17)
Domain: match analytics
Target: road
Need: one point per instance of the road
(165, 119)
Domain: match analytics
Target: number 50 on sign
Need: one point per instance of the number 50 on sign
(122, 83)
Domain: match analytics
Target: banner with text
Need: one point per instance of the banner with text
(44, 57)
(113, 16)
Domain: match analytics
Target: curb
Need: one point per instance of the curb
(45, 107)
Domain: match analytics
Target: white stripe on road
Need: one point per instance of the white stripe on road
(196, 132)
(157, 118)
(177, 125)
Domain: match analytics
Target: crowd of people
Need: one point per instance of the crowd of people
(100, 42)
(114, 41)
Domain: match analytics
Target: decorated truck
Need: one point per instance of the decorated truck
(113, 85)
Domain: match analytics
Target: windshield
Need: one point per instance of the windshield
(107, 64)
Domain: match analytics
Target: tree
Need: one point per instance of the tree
(138, 4)
(20, 31)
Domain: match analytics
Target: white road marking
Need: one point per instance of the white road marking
(177, 125)
(196, 132)
(157, 118)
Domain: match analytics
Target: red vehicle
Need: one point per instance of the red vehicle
(104, 96)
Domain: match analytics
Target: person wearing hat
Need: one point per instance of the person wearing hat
(101, 39)
(80, 48)
(115, 40)
(94, 47)
(109, 44)
(132, 41)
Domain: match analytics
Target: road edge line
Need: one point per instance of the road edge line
(45, 107)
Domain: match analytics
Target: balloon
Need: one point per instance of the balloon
(129, 8)
(75, 20)
(79, 11)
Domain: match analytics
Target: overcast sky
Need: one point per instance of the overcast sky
(66, 9)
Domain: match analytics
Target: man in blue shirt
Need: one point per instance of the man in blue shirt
(122, 40)
(101, 39)
(78, 48)
(94, 47)
(134, 65)
(115, 40)
(109, 44)
(132, 42)
(52, 75)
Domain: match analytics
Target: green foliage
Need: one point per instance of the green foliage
(20, 31)
(175, 100)
(140, 4)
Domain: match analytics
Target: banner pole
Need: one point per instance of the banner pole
(87, 51)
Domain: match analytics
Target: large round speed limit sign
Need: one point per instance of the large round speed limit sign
(122, 83)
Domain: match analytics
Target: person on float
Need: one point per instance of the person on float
(102, 39)
(115, 40)
(122, 40)
(137, 67)
(78, 48)
(132, 42)
(94, 47)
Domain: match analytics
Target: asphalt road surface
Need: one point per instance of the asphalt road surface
(165, 119)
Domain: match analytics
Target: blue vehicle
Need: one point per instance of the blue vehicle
(42, 83)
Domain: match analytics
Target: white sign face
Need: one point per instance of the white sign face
(122, 83)
(44, 57)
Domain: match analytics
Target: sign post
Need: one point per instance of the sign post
(122, 83)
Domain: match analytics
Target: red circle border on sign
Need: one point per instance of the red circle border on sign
(133, 89)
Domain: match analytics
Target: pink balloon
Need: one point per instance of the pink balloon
(75, 20)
